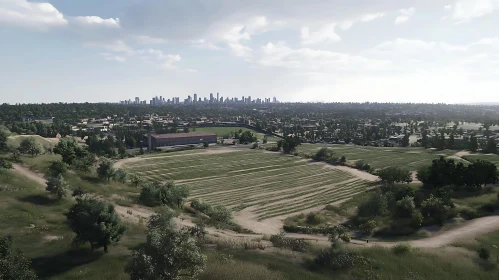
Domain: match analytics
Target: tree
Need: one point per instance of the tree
(491, 146)
(434, 208)
(473, 145)
(168, 254)
(405, 140)
(14, 265)
(96, 222)
(3, 140)
(79, 191)
(481, 173)
(57, 167)
(135, 180)
(106, 170)
(337, 233)
(57, 186)
(30, 146)
(120, 175)
(5, 164)
(289, 144)
(69, 149)
(392, 175)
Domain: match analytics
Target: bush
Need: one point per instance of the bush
(484, 253)
(338, 259)
(5, 164)
(57, 167)
(120, 176)
(402, 249)
(314, 219)
(281, 241)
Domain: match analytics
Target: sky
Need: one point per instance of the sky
(296, 50)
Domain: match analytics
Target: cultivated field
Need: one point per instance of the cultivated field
(269, 184)
(381, 157)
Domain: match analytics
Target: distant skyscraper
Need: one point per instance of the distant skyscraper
(195, 97)
(137, 100)
(218, 96)
(211, 97)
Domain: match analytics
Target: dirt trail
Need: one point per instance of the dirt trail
(354, 172)
(466, 231)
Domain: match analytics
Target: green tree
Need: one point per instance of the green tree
(337, 233)
(405, 140)
(14, 265)
(168, 254)
(106, 170)
(120, 175)
(473, 144)
(3, 140)
(289, 144)
(434, 208)
(69, 149)
(30, 146)
(57, 186)
(96, 222)
(57, 167)
(491, 146)
(392, 175)
(135, 179)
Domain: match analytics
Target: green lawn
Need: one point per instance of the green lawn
(492, 158)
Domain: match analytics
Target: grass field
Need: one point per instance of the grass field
(229, 132)
(15, 141)
(37, 222)
(271, 184)
(492, 158)
(381, 157)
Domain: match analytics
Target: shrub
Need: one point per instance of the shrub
(281, 241)
(57, 167)
(338, 259)
(5, 165)
(205, 144)
(314, 219)
(402, 249)
(484, 253)
(120, 175)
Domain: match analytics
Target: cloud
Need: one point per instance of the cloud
(371, 17)
(325, 34)
(405, 15)
(466, 10)
(30, 15)
(147, 40)
(203, 44)
(159, 58)
(306, 59)
(94, 21)
(113, 46)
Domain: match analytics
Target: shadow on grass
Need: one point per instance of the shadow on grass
(50, 266)
(39, 199)
(91, 179)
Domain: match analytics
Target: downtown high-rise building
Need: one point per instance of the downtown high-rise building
(195, 97)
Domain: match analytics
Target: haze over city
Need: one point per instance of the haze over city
(387, 51)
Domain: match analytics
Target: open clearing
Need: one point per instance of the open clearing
(269, 185)
(381, 157)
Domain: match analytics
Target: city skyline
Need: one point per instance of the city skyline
(219, 99)
(306, 51)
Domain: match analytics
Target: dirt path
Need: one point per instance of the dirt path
(21, 170)
(466, 231)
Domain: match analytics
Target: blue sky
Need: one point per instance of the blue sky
(313, 50)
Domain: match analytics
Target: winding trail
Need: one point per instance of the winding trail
(466, 231)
